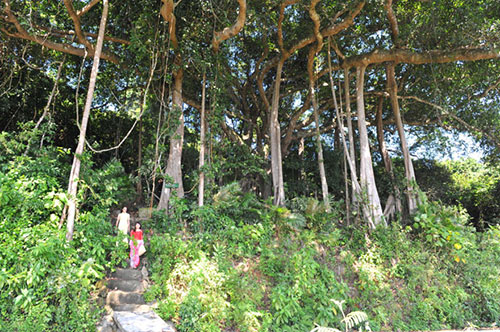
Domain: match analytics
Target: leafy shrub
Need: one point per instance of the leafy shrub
(191, 286)
(316, 214)
(444, 228)
(302, 286)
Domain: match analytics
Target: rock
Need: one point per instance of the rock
(126, 285)
(106, 324)
(145, 273)
(118, 297)
(132, 307)
(127, 274)
(141, 322)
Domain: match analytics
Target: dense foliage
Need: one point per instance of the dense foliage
(280, 269)
(47, 283)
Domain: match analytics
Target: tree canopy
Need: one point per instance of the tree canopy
(266, 65)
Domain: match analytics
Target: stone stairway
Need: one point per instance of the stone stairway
(127, 310)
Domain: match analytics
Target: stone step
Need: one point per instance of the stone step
(118, 297)
(126, 285)
(138, 308)
(141, 322)
(127, 274)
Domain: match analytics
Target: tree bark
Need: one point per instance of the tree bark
(372, 207)
(75, 169)
(388, 211)
(201, 185)
(174, 165)
(409, 172)
(350, 133)
(275, 133)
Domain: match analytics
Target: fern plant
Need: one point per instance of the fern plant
(324, 329)
(350, 320)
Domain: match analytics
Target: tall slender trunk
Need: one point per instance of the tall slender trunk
(302, 174)
(409, 172)
(157, 150)
(346, 182)
(201, 186)
(394, 200)
(350, 133)
(275, 133)
(319, 146)
(340, 131)
(75, 169)
(367, 178)
(311, 72)
(138, 187)
(174, 166)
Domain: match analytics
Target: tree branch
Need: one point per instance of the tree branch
(167, 11)
(64, 34)
(76, 22)
(65, 48)
(454, 117)
(220, 36)
(393, 22)
(417, 58)
(86, 8)
(284, 4)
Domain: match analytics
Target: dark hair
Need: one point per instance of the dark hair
(138, 223)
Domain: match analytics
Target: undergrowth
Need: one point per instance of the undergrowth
(283, 270)
(46, 283)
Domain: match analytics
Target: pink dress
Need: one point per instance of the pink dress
(134, 248)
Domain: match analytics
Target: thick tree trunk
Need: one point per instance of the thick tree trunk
(75, 169)
(371, 203)
(275, 133)
(409, 172)
(201, 185)
(174, 166)
(394, 201)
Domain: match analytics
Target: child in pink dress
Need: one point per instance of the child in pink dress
(135, 245)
